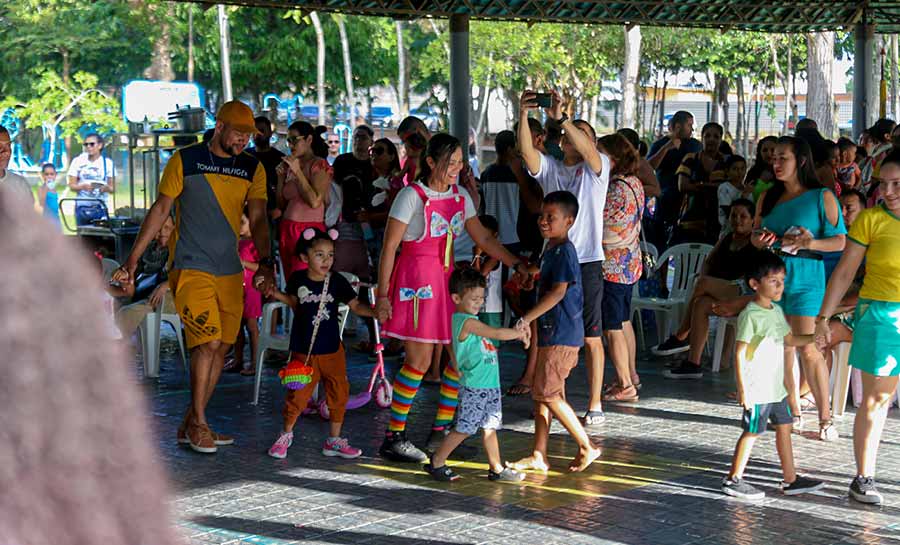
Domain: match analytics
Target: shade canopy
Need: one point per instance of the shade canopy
(760, 15)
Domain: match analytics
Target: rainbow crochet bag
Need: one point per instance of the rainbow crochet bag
(297, 374)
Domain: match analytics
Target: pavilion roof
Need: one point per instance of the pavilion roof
(760, 15)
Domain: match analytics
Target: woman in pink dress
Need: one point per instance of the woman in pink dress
(415, 305)
(304, 182)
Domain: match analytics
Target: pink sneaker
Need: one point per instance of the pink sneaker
(279, 449)
(338, 446)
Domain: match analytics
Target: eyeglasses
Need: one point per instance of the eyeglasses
(334, 141)
(291, 140)
(377, 151)
(91, 144)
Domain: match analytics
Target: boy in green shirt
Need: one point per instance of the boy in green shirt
(479, 394)
(765, 380)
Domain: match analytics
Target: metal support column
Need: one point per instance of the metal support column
(225, 54)
(460, 86)
(863, 76)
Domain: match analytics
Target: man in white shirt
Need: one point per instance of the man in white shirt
(584, 172)
(9, 179)
(93, 176)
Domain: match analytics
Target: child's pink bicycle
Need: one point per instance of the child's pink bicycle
(379, 386)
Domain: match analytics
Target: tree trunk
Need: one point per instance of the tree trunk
(402, 81)
(348, 69)
(190, 60)
(654, 105)
(66, 66)
(630, 75)
(784, 84)
(720, 92)
(662, 107)
(320, 65)
(820, 75)
(160, 68)
(795, 113)
(739, 125)
(895, 98)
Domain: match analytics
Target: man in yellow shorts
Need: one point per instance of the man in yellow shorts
(209, 185)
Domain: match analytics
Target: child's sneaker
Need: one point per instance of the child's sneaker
(863, 490)
(284, 442)
(508, 475)
(801, 485)
(339, 446)
(443, 473)
(739, 489)
(398, 448)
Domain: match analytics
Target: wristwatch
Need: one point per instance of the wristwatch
(267, 262)
(563, 119)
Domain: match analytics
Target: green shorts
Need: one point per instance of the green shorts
(876, 338)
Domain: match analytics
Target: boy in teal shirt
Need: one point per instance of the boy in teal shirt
(479, 393)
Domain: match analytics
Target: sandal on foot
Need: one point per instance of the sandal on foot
(593, 418)
(622, 395)
(807, 403)
(442, 473)
(827, 431)
(529, 464)
(518, 389)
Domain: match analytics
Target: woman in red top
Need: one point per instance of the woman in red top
(304, 183)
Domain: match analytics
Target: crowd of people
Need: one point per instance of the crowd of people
(550, 239)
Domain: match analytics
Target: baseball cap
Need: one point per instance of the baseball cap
(237, 115)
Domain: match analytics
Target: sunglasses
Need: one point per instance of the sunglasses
(291, 140)
(334, 141)
(91, 144)
(377, 151)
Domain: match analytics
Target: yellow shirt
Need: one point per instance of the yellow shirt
(878, 230)
(210, 193)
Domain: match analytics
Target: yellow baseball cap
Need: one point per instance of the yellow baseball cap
(238, 116)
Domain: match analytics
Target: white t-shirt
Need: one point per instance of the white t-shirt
(98, 171)
(764, 330)
(409, 208)
(727, 195)
(493, 294)
(590, 190)
(17, 184)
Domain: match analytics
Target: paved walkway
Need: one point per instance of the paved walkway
(656, 483)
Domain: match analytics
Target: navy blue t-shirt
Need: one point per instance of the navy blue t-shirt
(666, 173)
(562, 325)
(308, 293)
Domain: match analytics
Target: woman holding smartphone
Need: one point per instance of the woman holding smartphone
(801, 219)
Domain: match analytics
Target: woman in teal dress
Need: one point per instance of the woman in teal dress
(875, 237)
(800, 219)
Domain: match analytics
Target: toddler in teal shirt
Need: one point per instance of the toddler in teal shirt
(478, 365)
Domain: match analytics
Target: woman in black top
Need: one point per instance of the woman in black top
(720, 280)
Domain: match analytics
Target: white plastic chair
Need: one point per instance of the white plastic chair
(687, 260)
(282, 341)
(150, 336)
(722, 326)
(840, 379)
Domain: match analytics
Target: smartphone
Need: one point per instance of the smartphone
(543, 100)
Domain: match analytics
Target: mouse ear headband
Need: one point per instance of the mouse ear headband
(309, 233)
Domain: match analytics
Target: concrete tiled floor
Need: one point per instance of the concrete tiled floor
(656, 483)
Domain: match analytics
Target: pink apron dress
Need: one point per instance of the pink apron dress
(420, 295)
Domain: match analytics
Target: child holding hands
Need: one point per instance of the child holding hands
(479, 394)
(765, 380)
(316, 349)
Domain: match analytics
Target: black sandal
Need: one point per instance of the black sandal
(443, 473)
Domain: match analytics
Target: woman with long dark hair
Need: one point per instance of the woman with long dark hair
(304, 184)
(802, 219)
(415, 306)
(760, 176)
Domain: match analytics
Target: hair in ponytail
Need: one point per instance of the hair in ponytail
(317, 144)
(440, 148)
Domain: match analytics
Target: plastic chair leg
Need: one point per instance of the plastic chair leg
(721, 329)
(642, 342)
(261, 352)
(841, 369)
(150, 344)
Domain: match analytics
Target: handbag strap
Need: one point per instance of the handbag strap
(641, 208)
(318, 318)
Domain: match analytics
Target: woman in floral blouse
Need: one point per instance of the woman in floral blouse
(622, 267)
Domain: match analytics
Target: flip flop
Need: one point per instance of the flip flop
(593, 418)
(518, 389)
